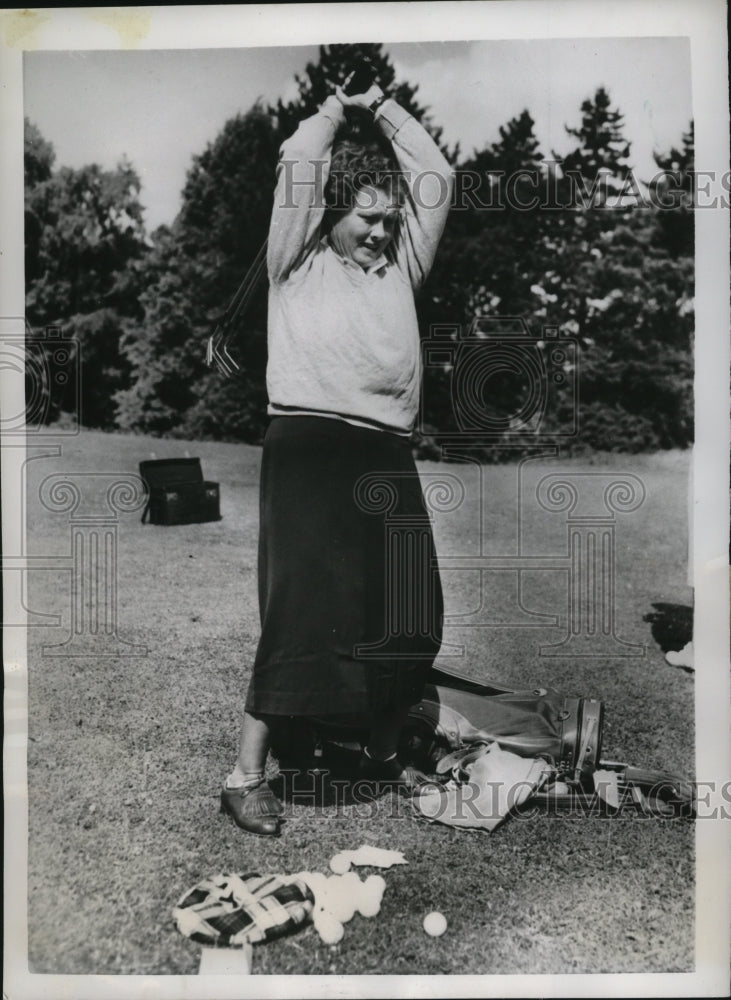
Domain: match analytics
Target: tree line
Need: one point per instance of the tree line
(611, 273)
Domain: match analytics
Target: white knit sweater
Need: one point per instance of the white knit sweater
(344, 342)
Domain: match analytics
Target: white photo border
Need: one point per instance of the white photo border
(704, 23)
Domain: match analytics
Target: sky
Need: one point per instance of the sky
(160, 108)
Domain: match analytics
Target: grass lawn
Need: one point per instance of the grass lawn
(126, 754)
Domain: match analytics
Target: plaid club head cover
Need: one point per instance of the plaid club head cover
(233, 910)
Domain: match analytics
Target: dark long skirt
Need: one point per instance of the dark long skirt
(349, 590)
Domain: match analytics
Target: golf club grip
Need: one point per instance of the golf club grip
(361, 80)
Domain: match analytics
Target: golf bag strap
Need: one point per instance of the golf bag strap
(569, 719)
(587, 755)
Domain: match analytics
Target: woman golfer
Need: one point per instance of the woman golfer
(344, 628)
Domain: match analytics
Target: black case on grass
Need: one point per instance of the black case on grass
(177, 492)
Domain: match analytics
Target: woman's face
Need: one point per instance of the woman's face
(364, 232)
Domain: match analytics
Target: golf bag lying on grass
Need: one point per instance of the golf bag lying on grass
(459, 719)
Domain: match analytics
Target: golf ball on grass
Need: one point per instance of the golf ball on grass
(435, 924)
(339, 864)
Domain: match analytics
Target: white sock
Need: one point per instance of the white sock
(243, 779)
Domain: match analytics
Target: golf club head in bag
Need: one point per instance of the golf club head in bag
(458, 718)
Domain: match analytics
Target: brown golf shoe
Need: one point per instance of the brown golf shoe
(255, 809)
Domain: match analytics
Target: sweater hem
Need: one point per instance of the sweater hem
(281, 410)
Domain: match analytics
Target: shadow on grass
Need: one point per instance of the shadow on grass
(672, 625)
(322, 788)
(318, 789)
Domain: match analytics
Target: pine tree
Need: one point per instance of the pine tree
(600, 160)
(490, 254)
(518, 148)
(622, 298)
(334, 65)
(673, 193)
(507, 234)
(600, 275)
(680, 162)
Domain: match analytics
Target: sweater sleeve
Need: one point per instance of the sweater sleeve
(299, 204)
(430, 182)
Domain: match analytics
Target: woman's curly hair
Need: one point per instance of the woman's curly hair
(357, 165)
